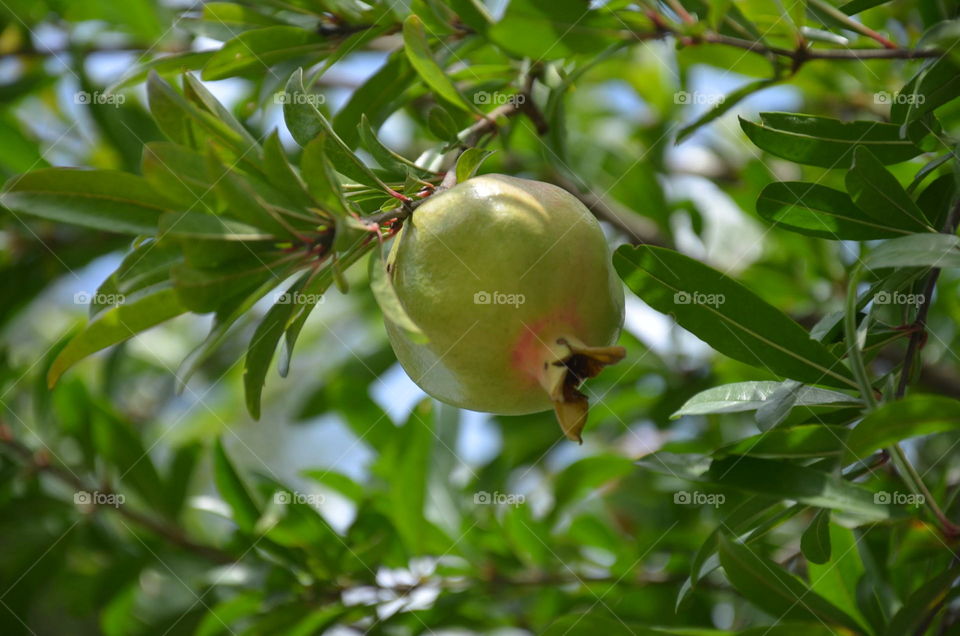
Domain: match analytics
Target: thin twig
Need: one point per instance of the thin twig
(917, 339)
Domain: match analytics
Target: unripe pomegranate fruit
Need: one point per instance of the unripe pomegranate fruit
(511, 282)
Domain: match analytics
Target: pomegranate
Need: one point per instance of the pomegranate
(511, 282)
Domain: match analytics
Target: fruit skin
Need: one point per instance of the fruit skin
(496, 234)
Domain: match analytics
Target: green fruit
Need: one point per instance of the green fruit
(511, 282)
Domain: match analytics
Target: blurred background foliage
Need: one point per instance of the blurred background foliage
(394, 525)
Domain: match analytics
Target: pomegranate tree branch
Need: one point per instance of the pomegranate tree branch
(917, 338)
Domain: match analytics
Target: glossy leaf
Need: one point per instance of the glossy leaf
(825, 142)
(880, 196)
(749, 396)
(816, 210)
(727, 315)
(799, 483)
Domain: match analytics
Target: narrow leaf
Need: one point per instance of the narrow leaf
(911, 417)
(727, 315)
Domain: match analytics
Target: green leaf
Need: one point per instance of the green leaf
(727, 315)
(469, 162)
(441, 124)
(825, 142)
(337, 481)
(179, 475)
(798, 483)
(911, 417)
(880, 196)
(180, 173)
(838, 578)
(281, 174)
(916, 250)
(146, 265)
(421, 58)
(197, 93)
(409, 463)
(815, 540)
(749, 396)
(805, 440)
(588, 474)
(382, 287)
(118, 443)
(936, 199)
(474, 14)
(937, 83)
(728, 102)
(376, 99)
(255, 52)
(552, 29)
(193, 122)
(98, 199)
(776, 591)
(202, 289)
(816, 210)
(922, 603)
(263, 345)
(217, 619)
(175, 63)
(246, 512)
(116, 325)
(305, 122)
(387, 158)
